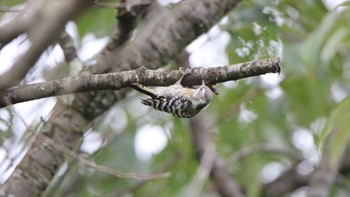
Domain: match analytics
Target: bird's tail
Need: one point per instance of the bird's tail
(143, 89)
(148, 102)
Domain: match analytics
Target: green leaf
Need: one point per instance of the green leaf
(336, 132)
(310, 48)
(332, 45)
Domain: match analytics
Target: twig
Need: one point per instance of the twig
(43, 17)
(31, 133)
(139, 183)
(116, 81)
(100, 168)
(244, 152)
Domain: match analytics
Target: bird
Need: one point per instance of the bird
(176, 99)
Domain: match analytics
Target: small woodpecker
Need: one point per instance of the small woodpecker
(175, 99)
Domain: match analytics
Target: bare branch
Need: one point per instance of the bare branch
(165, 166)
(154, 47)
(116, 81)
(285, 184)
(128, 13)
(100, 168)
(42, 27)
(292, 179)
(18, 25)
(270, 148)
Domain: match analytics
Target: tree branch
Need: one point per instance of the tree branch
(289, 181)
(101, 168)
(292, 179)
(129, 11)
(258, 148)
(154, 47)
(117, 81)
(42, 27)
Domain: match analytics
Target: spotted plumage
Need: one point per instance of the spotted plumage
(178, 106)
(178, 100)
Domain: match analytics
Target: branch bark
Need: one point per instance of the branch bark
(117, 81)
(165, 38)
(129, 11)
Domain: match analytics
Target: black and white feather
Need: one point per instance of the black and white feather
(178, 100)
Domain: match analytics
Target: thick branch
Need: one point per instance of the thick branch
(161, 40)
(18, 25)
(116, 81)
(128, 13)
(289, 181)
(292, 179)
(42, 28)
